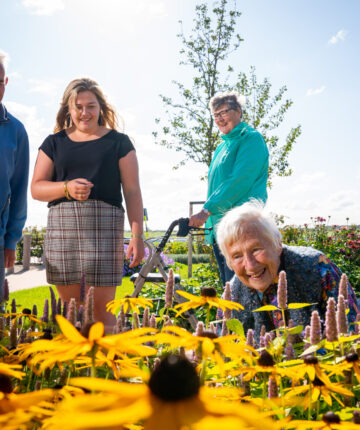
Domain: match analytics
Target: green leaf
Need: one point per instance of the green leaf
(267, 308)
(236, 326)
(299, 305)
(295, 330)
(161, 312)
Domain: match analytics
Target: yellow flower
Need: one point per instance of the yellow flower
(11, 370)
(317, 389)
(208, 297)
(214, 348)
(72, 344)
(130, 304)
(173, 400)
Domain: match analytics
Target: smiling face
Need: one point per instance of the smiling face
(228, 119)
(254, 260)
(85, 112)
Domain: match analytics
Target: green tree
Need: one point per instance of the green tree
(190, 128)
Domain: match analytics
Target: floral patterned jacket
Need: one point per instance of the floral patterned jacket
(311, 278)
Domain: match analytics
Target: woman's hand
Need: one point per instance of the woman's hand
(197, 220)
(137, 250)
(80, 188)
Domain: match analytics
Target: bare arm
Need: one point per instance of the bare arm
(129, 172)
(46, 190)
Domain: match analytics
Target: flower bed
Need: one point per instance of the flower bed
(61, 371)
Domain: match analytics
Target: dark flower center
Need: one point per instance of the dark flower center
(318, 382)
(210, 334)
(208, 292)
(265, 359)
(47, 334)
(309, 359)
(86, 329)
(26, 311)
(351, 357)
(5, 384)
(330, 417)
(174, 379)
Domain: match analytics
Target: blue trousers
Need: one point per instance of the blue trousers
(225, 273)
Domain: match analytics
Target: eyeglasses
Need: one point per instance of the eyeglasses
(221, 114)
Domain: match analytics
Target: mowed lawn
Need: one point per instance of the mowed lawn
(36, 296)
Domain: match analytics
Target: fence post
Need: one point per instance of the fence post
(191, 205)
(26, 251)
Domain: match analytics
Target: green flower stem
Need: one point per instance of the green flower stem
(207, 324)
(203, 371)
(309, 410)
(93, 357)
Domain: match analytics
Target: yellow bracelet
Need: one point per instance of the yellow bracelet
(66, 191)
(137, 236)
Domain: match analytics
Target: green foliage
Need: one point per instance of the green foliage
(196, 258)
(176, 248)
(264, 113)
(37, 243)
(339, 243)
(190, 128)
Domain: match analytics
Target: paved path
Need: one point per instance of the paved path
(24, 279)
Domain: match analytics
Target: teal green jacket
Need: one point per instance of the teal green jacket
(237, 173)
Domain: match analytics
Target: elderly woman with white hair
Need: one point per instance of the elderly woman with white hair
(251, 244)
(238, 170)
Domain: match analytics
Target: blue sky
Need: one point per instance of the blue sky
(132, 50)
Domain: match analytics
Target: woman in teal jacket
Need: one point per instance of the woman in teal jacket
(238, 171)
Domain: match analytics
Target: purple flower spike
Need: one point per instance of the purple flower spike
(272, 388)
(89, 307)
(282, 290)
(82, 288)
(6, 291)
(45, 317)
(71, 313)
(331, 332)
(315, 332)
(341, 318)
(250, 337)
(169, 292)
(343, 287)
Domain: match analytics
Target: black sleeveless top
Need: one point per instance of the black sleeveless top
(95, 160)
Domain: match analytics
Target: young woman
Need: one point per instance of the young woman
(80, 171)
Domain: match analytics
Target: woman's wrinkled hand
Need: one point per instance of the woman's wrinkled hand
(80, 188)
(197, 220)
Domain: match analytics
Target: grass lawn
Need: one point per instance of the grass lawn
(36, 296)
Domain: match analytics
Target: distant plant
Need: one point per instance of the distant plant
(340, 243)
(37, 243)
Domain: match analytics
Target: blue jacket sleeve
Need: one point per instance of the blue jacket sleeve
(18, 186)
(250, 166)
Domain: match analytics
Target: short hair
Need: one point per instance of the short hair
(4, 59)
(108, 116)
(237, 221)
(229, 98)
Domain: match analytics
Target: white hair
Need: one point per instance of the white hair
(4, 59)
(237, 222)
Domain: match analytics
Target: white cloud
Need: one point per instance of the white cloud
(340, 35)
(311, 92)
(34, 125)
(48, 88)
(43, 7)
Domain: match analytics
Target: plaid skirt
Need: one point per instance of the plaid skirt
(84, 237)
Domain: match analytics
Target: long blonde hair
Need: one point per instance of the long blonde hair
(108, 116)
